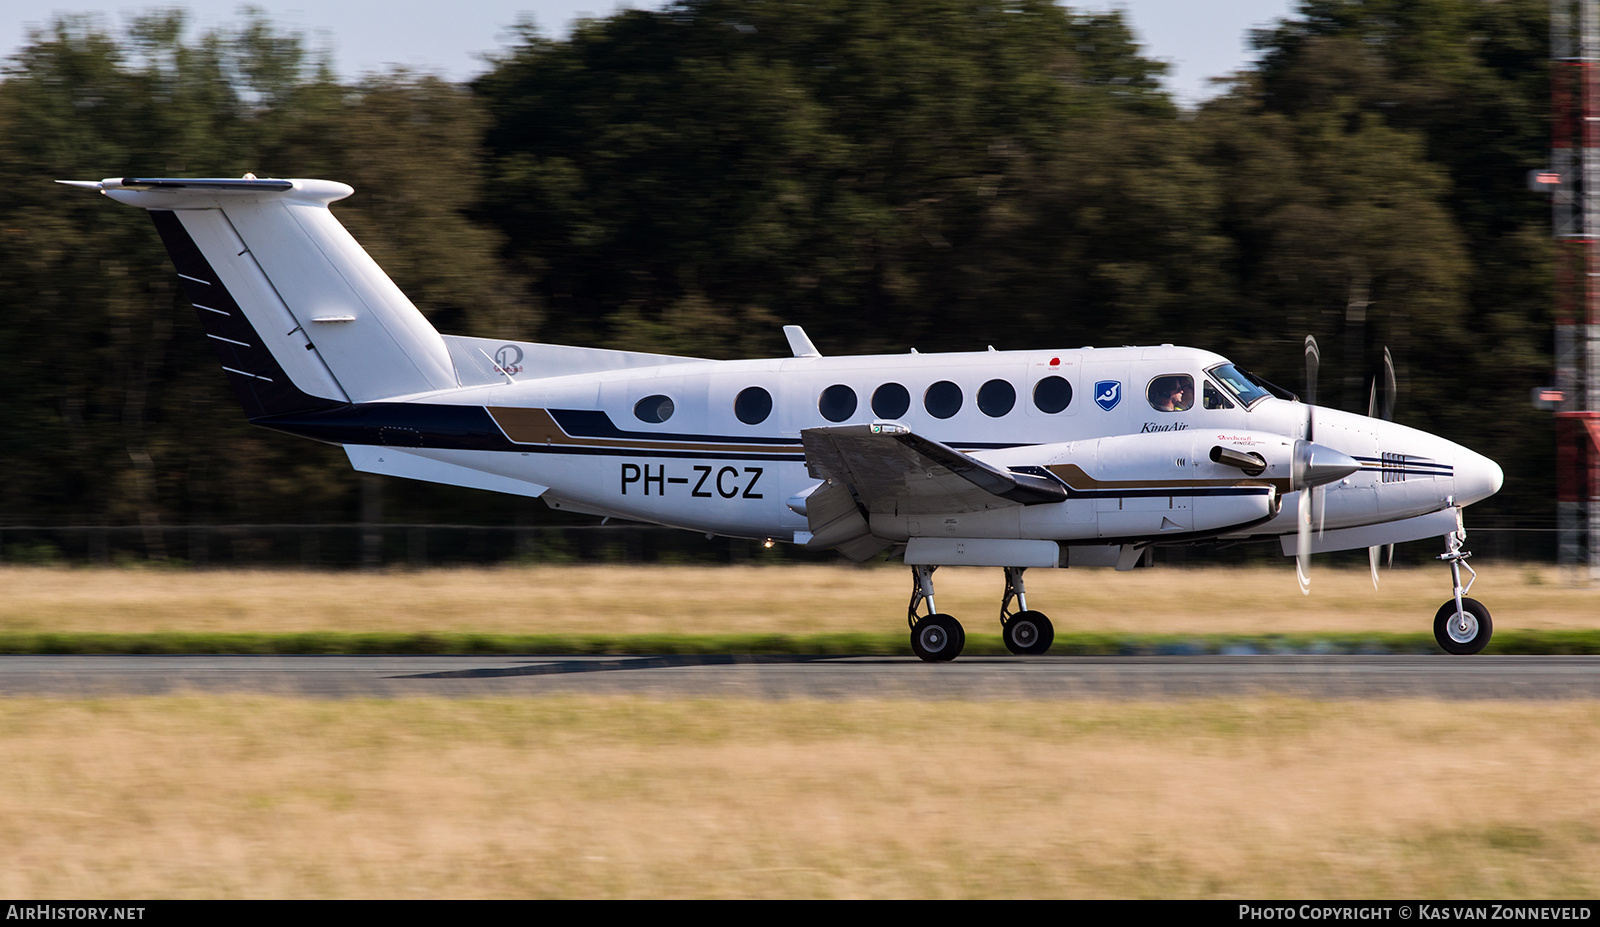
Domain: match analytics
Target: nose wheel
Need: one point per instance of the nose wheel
(1464, 630)
(1462, 625)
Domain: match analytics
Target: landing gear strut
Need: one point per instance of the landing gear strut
(1462, 625)
(935, 638)
(1024, 631)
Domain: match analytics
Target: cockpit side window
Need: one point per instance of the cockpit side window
(1173, 392)
(1213, 397)
(1241, 385)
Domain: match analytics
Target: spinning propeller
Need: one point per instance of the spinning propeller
(1310, 496)
(1315, 466)
(1388, 416)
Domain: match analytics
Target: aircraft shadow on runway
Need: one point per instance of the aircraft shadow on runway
(562, 667)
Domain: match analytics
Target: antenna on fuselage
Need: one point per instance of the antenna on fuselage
(799, 343)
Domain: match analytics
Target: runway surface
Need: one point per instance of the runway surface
(777, 677)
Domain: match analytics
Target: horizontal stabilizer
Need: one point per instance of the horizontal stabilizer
(418, 464)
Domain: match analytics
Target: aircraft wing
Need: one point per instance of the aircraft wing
(891, 471)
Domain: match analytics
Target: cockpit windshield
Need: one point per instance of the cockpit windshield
(1240, 384)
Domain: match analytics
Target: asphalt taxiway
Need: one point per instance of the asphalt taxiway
(1047, 677)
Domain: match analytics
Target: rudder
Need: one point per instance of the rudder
(261, 384)
(300, 315)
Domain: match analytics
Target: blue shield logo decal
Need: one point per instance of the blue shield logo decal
(1107, 393)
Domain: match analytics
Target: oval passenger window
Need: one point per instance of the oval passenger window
(1052, 394)
(752, 405)
(653, 409)
(942, 400)
(996, 398)
(891, 400)
(837, 403)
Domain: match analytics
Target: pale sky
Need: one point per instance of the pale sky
(1200, 39)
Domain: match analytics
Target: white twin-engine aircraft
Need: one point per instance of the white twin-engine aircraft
(1011, 459)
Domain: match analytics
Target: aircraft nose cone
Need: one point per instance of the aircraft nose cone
(1477, 477)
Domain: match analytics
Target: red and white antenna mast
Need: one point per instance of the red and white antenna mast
(1574, 181)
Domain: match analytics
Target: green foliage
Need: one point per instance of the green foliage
(1469, 279)
(850, 165)
(942, 174)
(110, 383)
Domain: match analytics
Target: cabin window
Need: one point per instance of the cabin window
(891, 400)
(942, 400)
(1052, 394)
(653, 409)
(996, 398)
(1173, 392)
(752, 405)
(837, 403)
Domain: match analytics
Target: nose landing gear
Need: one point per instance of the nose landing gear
(1462, 625)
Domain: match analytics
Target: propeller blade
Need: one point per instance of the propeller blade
(1389, 554)
(1302, 557)
(1388, 388)
(1372, 563)
(1312, 466)
(1313, 361)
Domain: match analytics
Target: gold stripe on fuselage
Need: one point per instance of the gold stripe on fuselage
(536, 426)
(1073, 476)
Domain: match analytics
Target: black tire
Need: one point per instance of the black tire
(938, 639)
(1456, 639)
(1028, 633)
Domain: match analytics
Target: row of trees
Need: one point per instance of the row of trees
(943, 174)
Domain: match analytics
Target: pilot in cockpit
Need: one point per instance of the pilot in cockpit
(1172, 393)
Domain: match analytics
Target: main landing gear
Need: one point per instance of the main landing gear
(938, 638)
(935, 638)
(1025, 632)
(1462, 625)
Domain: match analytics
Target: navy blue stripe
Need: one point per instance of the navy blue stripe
(1409, 462)
(596, 423)
(409, 424)
(588, 423)
(650, 452)
(398, 424)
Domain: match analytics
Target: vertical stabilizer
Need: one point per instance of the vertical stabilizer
(312, 306)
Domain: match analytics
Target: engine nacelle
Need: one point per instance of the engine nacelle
(1128, 487)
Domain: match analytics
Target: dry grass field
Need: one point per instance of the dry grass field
(780, 599)
(249, 797)
(255, 797)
